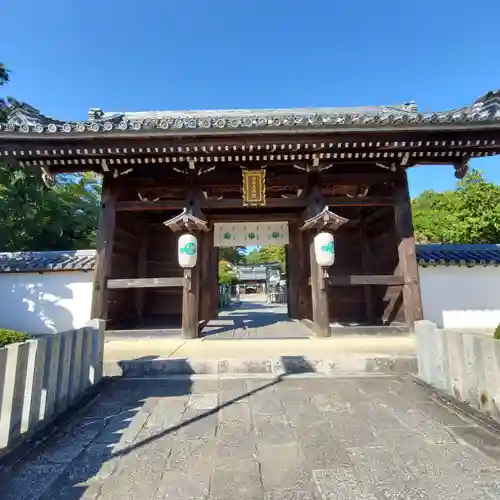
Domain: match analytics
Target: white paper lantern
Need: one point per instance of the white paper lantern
(187, 249)
(324, 249)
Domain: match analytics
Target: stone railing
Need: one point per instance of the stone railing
(463, 364)
(41, 378)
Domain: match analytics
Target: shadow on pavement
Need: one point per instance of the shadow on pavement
(130, 421)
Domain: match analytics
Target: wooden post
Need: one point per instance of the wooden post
(406, 251)
(319, 294)
(366, 266)
(304, 292)
(207, 275)
(140, 293)
(190, 302)
(214, 283)
(104, 251)
(319, 287)
(293, 271)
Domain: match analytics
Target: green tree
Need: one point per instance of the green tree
(469, 214)
(268, 253)
(234, 255)
(4, 74)
(226, 274)
(33, 217)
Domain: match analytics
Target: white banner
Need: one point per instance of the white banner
(250, 234)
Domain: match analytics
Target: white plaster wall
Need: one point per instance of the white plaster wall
(45, 303)
(452, 297)
(461, 297)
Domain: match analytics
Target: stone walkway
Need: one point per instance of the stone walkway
(289, 438)
(254, 319)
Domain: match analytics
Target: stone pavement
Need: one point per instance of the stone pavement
(285, 438)
(254, 319)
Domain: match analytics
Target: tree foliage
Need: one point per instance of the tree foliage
(268, 253)
(234, 255)
(4, 74)
(11, 337)
(227, 276)
(34, 217)
(468, 214)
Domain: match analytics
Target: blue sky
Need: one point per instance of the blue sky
(69, 56)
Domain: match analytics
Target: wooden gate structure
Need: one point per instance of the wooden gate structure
(337, 169)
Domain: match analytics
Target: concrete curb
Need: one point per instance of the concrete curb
(275, 366)
(10, 457)
(456, 406)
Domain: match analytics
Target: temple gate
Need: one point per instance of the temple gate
(342, 171)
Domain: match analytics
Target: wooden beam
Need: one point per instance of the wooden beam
(215, 179)
(190, 302)
(138, 206)
(254, 215)
(246, 143)
(117, 284)
(375, 216)
(366, 201)
(105, 236)
(365, 279)
(335, 201)
(406, 251)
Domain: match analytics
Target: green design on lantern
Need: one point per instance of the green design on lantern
(252, 236)
(275, 235)
(227, 236)
(327, 248)
(189, 249)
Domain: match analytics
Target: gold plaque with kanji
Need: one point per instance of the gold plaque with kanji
(254, 188)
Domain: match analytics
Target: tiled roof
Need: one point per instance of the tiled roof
(85, 260)
(33, 262)
(458, 255)
(26, 119)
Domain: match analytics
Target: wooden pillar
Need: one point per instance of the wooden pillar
(104, 251)
(293, 271)
(406, 251)
(304, 292)
(319, 294)
(140, 293)
(190, 302)
(298, 271)
(366, 265)
(214, 284)
(207, 275)
(319, 287)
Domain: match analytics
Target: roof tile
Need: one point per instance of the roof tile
(85, 260)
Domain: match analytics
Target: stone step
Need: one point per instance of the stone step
(339, 366)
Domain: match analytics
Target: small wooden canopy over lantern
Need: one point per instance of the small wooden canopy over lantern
(186, 221)
(326, 219)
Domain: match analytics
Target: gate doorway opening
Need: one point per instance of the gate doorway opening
(253, 285)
